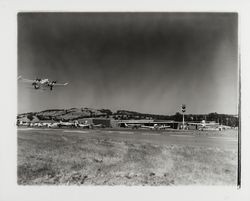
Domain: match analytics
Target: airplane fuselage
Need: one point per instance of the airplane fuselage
(39, 83)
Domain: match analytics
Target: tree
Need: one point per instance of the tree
(30, 116)
(178, 116)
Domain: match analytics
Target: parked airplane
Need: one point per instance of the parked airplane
(84, 125)
(155, 126)
(149, 126)
(87, 125)
(53, 125)
(67, 124)
(163, 127)
(204, 125)
(152, 126)
(39, 83)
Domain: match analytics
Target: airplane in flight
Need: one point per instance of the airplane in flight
(39, 83)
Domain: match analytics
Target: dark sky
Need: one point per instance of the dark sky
(147, 62)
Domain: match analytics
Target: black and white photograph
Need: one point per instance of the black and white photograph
(128, 99)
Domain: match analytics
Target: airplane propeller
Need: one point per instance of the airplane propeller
(39, 83)
(51, 84)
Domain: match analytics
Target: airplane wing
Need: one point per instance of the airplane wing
(25, 80)
(190, 123)
(60, 84)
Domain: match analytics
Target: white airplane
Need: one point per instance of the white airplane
(38, 124)
(149, 126)
(67, 124)
(53, 125)
(152, 126)
(84, 125)
(208, 123)
(42, 83)
(163, 127)
(155, 126)
(21, 123)
(87, 125)
(204, 125)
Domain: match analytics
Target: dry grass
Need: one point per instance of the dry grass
(65, 159)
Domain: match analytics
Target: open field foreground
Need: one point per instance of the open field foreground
(106, 157)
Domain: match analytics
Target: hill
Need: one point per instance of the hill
(79, 113)
(63, 114)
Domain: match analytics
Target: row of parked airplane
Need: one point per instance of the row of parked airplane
(131, 124)
(60, 124)
(151, 126)
(203, 125)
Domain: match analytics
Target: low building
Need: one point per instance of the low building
(104, 122)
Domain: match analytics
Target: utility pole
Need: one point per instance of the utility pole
(183, 109)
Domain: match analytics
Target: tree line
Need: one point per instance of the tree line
(224, 119)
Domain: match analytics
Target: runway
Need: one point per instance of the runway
(139, 136)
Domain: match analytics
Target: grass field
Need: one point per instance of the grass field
(76, 160)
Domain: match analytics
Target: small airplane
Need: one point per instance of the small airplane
(87, 125)
(204, 125)
(162, 127)
(151, 126)
(53, 125)
(67, 124)
(155, 126)
(39, 83)
(83, 125)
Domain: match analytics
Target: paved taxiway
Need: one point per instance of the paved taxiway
(145, 136)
